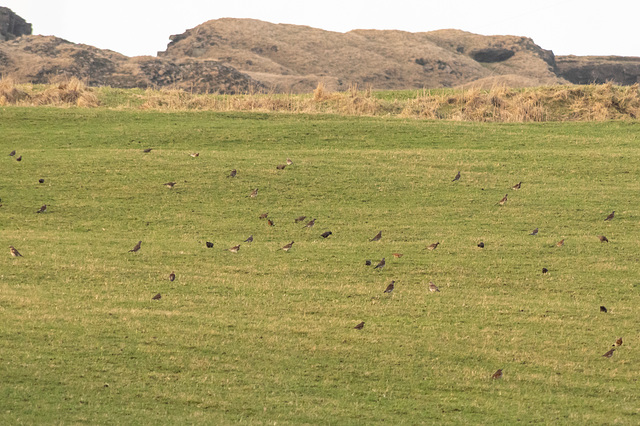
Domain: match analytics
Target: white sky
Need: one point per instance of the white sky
(578, 27)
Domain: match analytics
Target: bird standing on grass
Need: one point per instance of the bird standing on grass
(326, 234)
(504, 200)
(170, 185)
(14, 252)
(534, 232)
(19, 158)
(172, 276)
(398, 255)
(235, 249)
(42, 209)
(136, 248)
(481, 244)
(359, 326)
(432, 287)
(377, 237)
(390, 287)
(12, 153)
(456, 178)
(545, 270)
(263, 215)
(610, 216)
(289, 162)
(233, 173)
(249, 240)
(381, 264)
(609, 353)
(299, 219)
(517, 186)
(560, 243)
(310, 223)
(603, 309)
(157, 297)
(270, 222)
(209, 244)
(281, 166)
(497, 374)
(195, 154)
(254, 193)
(619, 341)
(288, 246)
(147, 150)
(603, 239)
(433, 246)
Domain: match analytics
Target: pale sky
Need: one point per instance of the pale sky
(568, 27)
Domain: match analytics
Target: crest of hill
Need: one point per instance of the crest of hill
(12, 25)
(294, 58)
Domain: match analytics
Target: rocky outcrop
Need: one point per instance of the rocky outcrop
(12, 25)
(622, 70)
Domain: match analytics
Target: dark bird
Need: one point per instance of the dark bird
(289, 162)
(517, 186)
(326, 234)
(432, 287)
(270, 222)
(19, 158)
(42, 209)
(288, 246)
(281, 166)
(14, 252)
(263, 215)
(609, 353)
(377, 237)
(195, 154)
(619, 341)
(249, 240)
(534, 232)
(233, 173)
(136, 248)
(433, 246)
(603, 309)
(254, 193)
(359, 326)
(310, 223)
(504, 200)
(398, 255)
(12, 153)
(381, 264)
(299, 219)
(545, 270)
(157, 297)
(611, 215)
(209, 244)
(603, 239)
(481, 244)
(457, 177)
(497, 374)
(235, 249)
(170, 184)
(172, 276)
(41, 180)
(390, 287)
(147, 150)
(367, 262)
(560, 243)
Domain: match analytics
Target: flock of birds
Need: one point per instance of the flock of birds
(380, 265)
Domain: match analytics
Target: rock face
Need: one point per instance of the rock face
(11, 25)
(599, 69)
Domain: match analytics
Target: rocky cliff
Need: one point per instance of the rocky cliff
(12, 25)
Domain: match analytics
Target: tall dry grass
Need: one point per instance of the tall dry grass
(68, 93)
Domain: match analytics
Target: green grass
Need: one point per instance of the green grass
(264, 336)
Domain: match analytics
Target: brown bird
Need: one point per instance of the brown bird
(609, 353)
(254, 193)
(432, 287)
(610, 216)
(504, 200)
(147, 150)
(136, 248)
(380, 264)
(209, 244)
(270, 222)
(456, 178)
(390, 287)
(195, 154)
(249, 240)
(42, 209)
(545, 270)
(619, 341)
(235, 249)
(603, 239)
(517, 186)
(157, 297)
(398, 255)
(534, 232)
(19, 158)
(481, 244)
(326, 234)
(433, 246)
(14, 252)
(377, 237)
(560, 243)
(170, 184)
(310, 223)
(12, 153)
(359, 326)
(289, 162)
(172, 276)
(281, 166)
(497, 374)
(288, 246)
(603, 309)
(233, 173)
(299, 219)
(263, 215)
(367, 262)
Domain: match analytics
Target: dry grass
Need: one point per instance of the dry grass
(68, 93)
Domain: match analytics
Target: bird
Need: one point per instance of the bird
(19, 158)
(209, 244)
(249, 240)
(233, 173)
(195, 154)
(380, 264)
(359, 326)
(377, 237)
(619, 341)
(12, 153)
(42, 209)
(288, 246)
(398, 255)
(326, 234)
(545, 270)
(390, 287)
(299, 219)
(136, 248)
(310, 223)
(281, 166)
(147, 150)
(157, 297)
(603, 239)
(270, 222)
(534, 232)
(504, 200)
(432, 287)
(263, 215)
(610, 216)
(41, 180)
(235, 249)
(254, 193)
(517, 186)
(433, 246)
(289, 162)
(481, 244)
(14, 252)
(497, 374)
(457, 177)
(170, 184)
(172, 276)
(367, 262)
(560, 243)
(609, 353)
(603, 309)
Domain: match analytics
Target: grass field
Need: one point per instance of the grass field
(265, 336)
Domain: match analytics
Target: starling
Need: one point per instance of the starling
(42, 209)
(359, 326)
(281, 166)
(381, 264)
(235, 249)
(254, 193)
(195, 154)
(433, 246)
(14, 252)
(560, 243)
(432, 287)
(288, 246)
(12, 153)
(263, 215)
(619, 341)
(390, 287)
(481, 244)
(377, 237)
(517, 186)
(603, 239)
(172, 276)
(504, 200)
(457, 177)
(157, 297)
(310, 223)
(299, 219)
(249, 240)
(603, 309)
(610, 216)
(609, 353)
(147, 150)
(534, 232)
(545, 270)
(170, 184)
(233, 173)
(497, 374)
(270, 222)
(398, 255)
(289, 162)
(209, 244)
(136, 248)
(19, 158)
(367, 262)
(326, 234)
(41, 180)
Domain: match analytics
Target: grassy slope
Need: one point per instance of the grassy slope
(266, 336)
